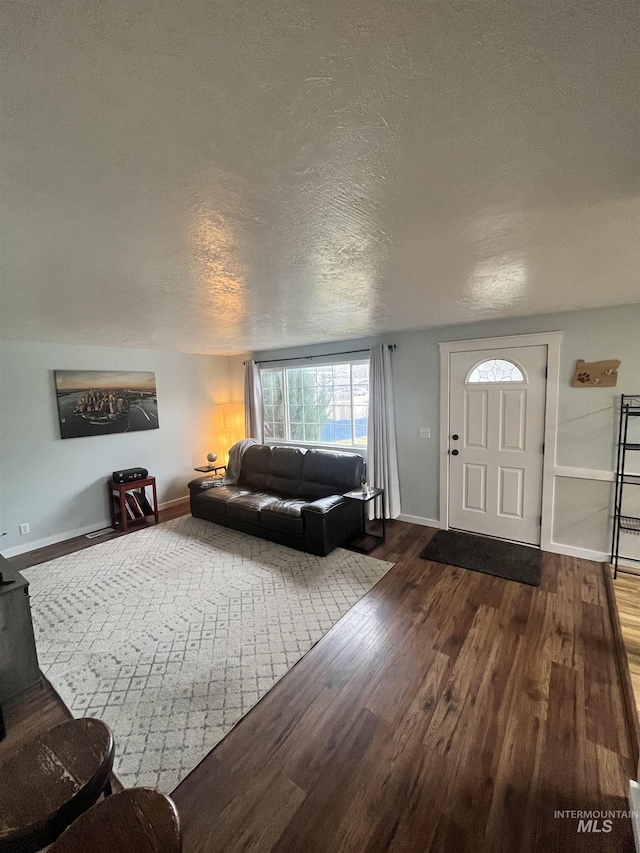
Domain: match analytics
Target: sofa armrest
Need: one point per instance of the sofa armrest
(202, 483)
(330, 521)
(324, 505)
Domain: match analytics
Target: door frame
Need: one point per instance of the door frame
(553, 341)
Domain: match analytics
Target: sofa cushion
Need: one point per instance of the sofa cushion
(285, 515)
(285, 469)
(255, 466)
(221, 496)
(329, 472)
(247, 507)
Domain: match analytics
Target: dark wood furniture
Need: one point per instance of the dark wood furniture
(211, 469)
(19, 671)
(118, 502)
(138, 820)
(367, 541)
(51, 780)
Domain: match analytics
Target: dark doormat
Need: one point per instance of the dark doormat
(482, 554)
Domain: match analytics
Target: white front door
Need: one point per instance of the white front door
(496, 441)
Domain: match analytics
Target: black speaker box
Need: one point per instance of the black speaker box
(130, 475)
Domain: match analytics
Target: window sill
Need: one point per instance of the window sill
(347, 448)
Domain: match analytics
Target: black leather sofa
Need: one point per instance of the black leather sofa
(289, 495)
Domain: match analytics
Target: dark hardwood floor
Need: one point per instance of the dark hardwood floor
(447, 711)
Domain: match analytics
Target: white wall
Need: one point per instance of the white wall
(587, 417)
(236, 378)
(58, 486)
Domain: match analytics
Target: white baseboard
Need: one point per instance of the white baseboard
(55, 538)
(554, 547)
(71, 534)
(588, 554)
(584, 474)
(626, 563)
(581, 553)
(175, 501)
(417, 519)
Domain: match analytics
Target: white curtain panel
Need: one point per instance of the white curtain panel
(253, 411)
(382, 461)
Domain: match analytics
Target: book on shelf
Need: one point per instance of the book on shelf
(144, 504)
(132, 503)
(128, 511)
(136, 501)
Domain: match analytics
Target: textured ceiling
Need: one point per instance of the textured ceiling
(242, 174)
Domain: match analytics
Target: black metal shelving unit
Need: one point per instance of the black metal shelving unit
(629, 408)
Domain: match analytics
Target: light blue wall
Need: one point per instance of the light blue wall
(586, 418)
(59, 486)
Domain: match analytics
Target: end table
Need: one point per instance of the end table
(211, 469)
(129, 503)
(364, 498)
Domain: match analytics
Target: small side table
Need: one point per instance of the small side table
(130, 499)
(364, 498)
(211, 469)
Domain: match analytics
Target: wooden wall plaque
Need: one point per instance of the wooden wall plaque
(596, 374)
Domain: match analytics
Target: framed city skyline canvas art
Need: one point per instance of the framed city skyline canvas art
(102, 402)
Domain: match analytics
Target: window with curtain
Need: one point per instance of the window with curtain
(318, 404)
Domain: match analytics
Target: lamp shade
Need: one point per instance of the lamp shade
(229, 426)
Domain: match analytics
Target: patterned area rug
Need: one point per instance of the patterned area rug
(172, 633)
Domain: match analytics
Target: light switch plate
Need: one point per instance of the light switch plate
(425, 432)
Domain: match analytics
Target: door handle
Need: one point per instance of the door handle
(454, 452)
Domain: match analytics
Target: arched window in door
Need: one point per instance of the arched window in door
(496, 370)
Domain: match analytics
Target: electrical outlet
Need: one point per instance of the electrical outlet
(425, 432)
(24, 529)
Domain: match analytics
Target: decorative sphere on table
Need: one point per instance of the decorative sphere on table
(211, 458)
